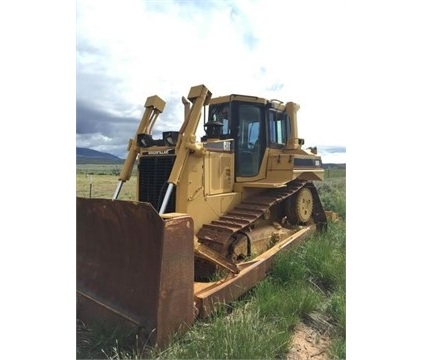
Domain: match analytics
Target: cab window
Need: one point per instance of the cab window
(278, 128)
(249, 140)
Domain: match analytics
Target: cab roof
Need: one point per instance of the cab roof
(276, 104)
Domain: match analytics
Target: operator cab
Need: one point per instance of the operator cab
(253, 123)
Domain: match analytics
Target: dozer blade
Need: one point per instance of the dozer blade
(135, 267)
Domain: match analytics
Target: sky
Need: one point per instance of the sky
(129, 50)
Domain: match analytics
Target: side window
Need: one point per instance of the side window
(272, 127)
(221, 114)
(278, 128)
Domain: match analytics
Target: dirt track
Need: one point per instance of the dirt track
(308, 344)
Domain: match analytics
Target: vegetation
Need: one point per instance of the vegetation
(100, 181)
(99, 169)
(333, 195)
(306, 283)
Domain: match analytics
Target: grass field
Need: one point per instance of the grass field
(100, 181)
(306, 283)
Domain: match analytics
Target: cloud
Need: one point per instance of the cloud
(91, 120)
(103, 131)
(332, 149)
(332, 154)
(127, 51)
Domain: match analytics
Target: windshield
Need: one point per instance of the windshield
(221, 113)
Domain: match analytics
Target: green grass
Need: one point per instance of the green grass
(101, 341)
(237, 335)
(320, 266)
(309, 279)
(282, 305)
(334, 173)
(333, 195)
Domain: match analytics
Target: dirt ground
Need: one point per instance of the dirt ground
(308, 344)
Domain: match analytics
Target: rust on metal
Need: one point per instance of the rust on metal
(136, 265)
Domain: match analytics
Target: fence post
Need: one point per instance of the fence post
(91, 184)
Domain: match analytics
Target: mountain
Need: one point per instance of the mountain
(89, 156)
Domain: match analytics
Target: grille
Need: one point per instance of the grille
(154, 171)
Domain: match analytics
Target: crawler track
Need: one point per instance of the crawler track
(219, 233)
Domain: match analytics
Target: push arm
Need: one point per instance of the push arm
(153, 107)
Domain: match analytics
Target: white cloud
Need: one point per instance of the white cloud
(313, 53)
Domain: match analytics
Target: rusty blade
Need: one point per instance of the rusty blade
(135, 264)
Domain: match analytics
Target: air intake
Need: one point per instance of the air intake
(154, 171)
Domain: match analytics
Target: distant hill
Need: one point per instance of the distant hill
(89, 156)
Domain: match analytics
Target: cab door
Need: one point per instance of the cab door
(250, 140)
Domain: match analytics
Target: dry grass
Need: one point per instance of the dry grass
(103, 186)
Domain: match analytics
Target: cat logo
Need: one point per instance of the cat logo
(158, 152)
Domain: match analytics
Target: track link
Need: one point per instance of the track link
(218, 233)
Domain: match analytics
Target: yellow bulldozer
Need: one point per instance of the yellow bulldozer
(210, 214)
